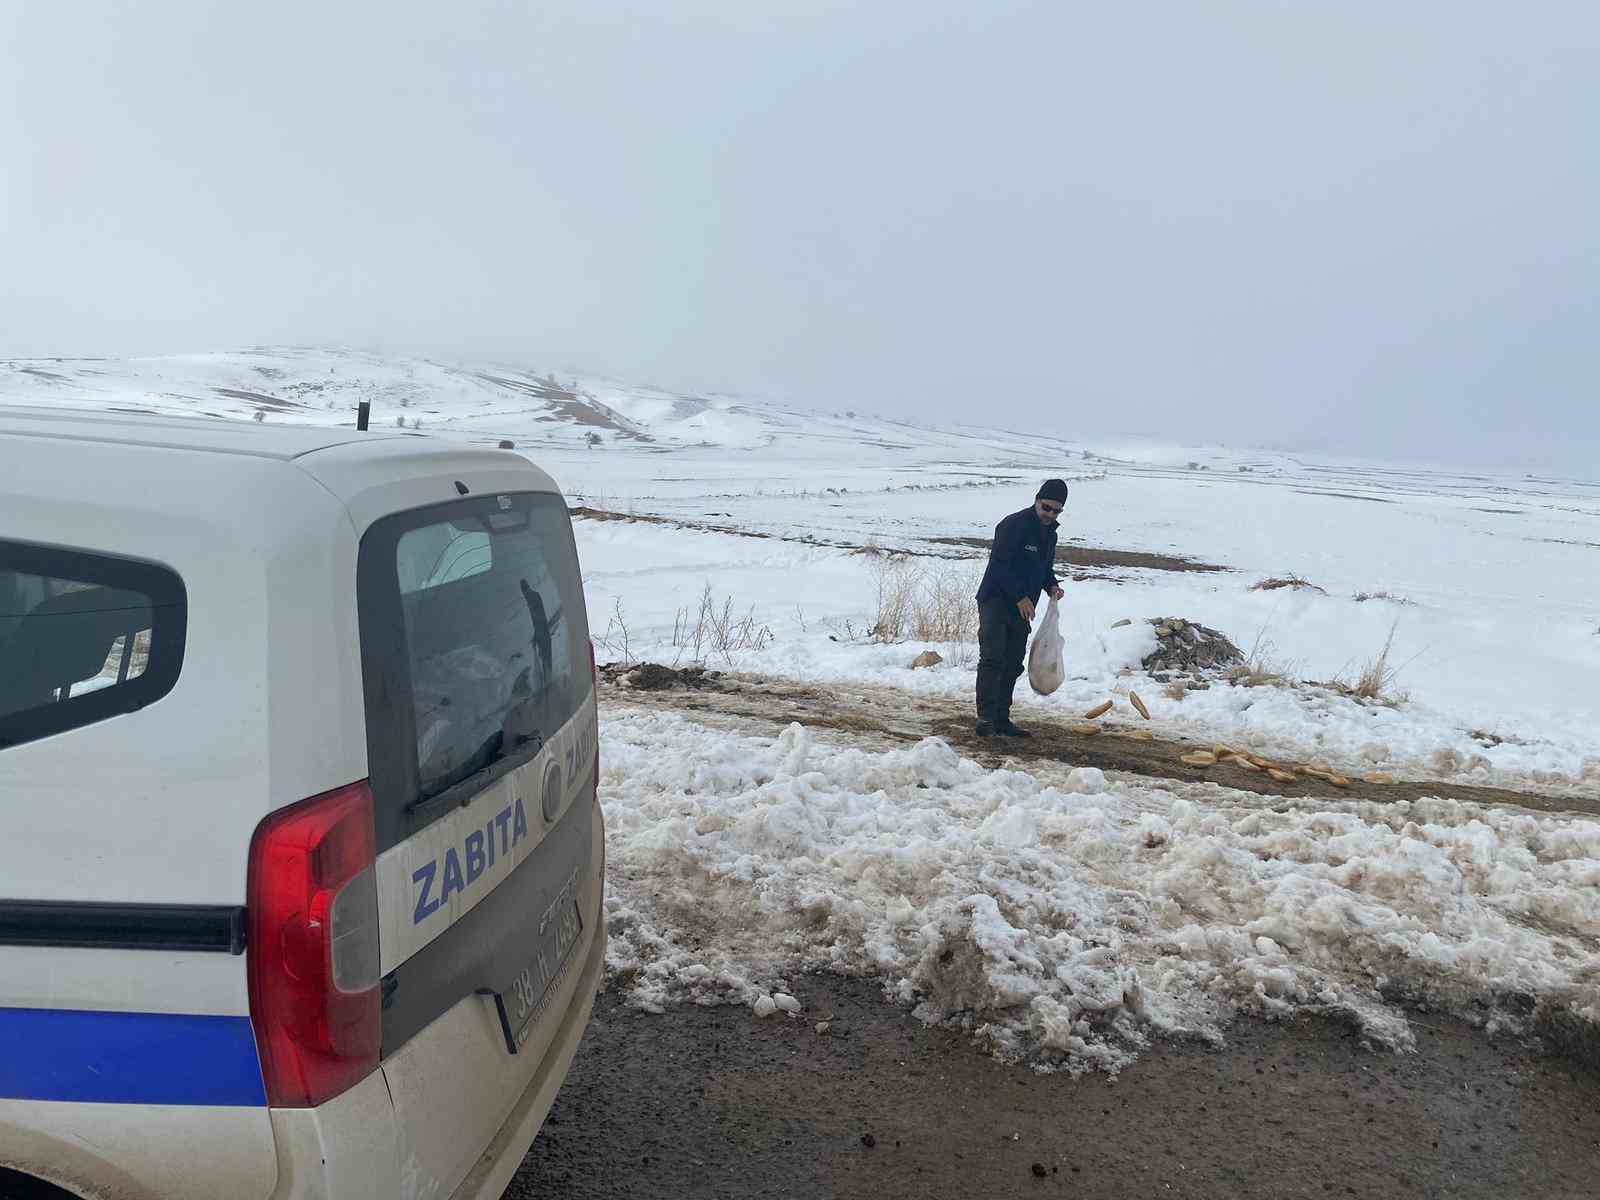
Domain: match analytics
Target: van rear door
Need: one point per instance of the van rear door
(482, 750)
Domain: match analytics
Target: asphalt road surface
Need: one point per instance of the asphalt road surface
(718, 1103)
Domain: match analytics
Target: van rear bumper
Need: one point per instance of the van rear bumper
(499, 1162)
(350, 1148)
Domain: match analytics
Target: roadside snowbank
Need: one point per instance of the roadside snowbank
(1068, 924)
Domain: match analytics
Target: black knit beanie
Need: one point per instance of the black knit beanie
(1053, 489)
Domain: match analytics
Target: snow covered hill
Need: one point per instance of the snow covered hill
(477, 401)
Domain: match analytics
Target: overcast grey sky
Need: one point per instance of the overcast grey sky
(1350, 226)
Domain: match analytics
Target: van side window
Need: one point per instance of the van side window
(83, 637)
(473, 646)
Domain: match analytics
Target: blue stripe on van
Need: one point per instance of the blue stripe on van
(128, 1058)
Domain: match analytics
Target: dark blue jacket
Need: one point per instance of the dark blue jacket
(1021, 560)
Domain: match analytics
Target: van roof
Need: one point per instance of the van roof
(215, 435)
(372, 473)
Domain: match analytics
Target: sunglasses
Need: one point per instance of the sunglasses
(1053, 510)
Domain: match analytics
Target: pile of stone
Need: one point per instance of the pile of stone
(1189, 648)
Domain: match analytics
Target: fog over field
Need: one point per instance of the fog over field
(1356, 229)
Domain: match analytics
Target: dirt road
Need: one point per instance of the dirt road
(891, 715)
(718, 1103)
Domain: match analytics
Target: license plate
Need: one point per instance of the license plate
(523, 1001)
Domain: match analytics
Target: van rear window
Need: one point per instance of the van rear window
(474, 647)
(83, 638)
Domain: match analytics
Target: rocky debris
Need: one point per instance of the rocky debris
(928, 658)
(1038, 1170)
(786, 1002)
(653, 677)
(868, 1140)
(1190, 648)
(765, 1006)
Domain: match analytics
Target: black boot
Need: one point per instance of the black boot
(1006, 729)
(984, 729)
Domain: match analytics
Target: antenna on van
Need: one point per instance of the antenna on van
(363, 411)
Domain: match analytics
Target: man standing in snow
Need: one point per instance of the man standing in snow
(1021, 564)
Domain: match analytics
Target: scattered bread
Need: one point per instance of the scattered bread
(1084, 730)
(1138, 704)
(1199, 758)
(1377, 777)
(1280, 775)
(1099, 710)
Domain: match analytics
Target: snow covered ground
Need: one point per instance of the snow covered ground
(1494, 626)
(1065, 917)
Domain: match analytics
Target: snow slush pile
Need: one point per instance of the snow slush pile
(1066, 924)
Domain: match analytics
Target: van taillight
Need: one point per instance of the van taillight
(312, 947)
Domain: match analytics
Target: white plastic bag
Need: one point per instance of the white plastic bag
(1046, 670)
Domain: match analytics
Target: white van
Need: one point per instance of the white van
(300, 853)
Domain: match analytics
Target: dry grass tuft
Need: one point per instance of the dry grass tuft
(1374, 683)
(717, 630)
(1286, 581)
(1262, 667)
(1363, 597)
(924, 601)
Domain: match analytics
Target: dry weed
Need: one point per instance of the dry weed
(1375, 681)
(615, 638)
(1262, 667)
(1363, 597)
(1287, 581)
(716, 629)
(925, 602)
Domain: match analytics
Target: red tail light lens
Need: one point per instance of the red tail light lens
(313, 947)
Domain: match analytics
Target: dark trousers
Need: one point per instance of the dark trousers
(1002, 640)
